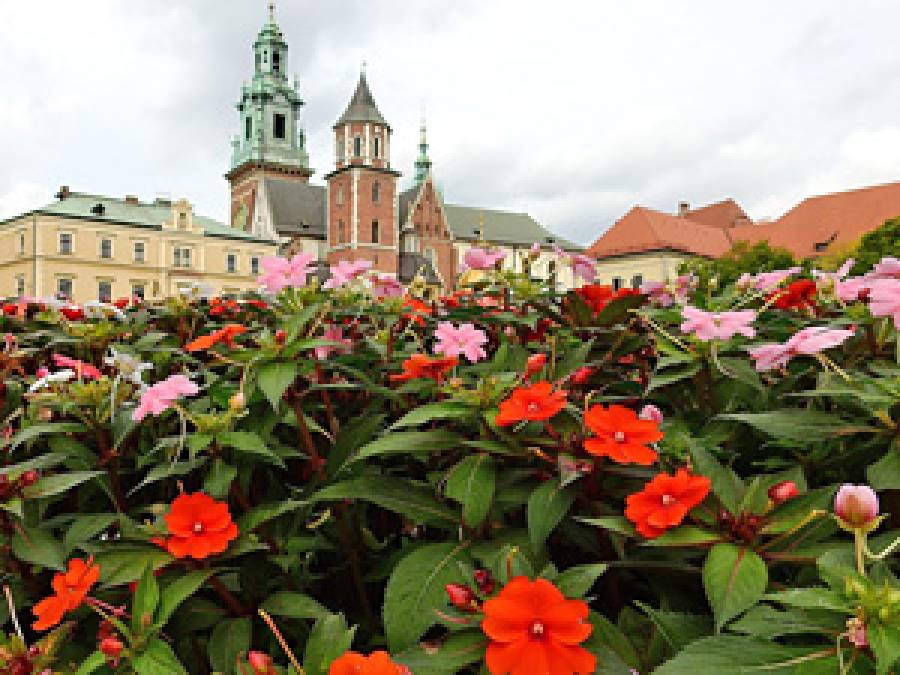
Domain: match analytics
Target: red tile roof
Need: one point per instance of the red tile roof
(725, 213)
(643, 230)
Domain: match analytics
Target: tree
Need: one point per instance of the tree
(743, 257)
(885, 241)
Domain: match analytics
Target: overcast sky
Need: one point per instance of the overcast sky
(572, 111)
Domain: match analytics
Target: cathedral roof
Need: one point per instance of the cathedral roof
(501, 227)
(362, 106)
(297, 208)
(412, 263)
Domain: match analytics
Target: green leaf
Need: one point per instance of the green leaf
(178, 591)
(576, 581)
(168, 470)
(764, 621)
(742, 371)
(395, 494)
(617, 524)
(415, 591)
(41, 462)
(158, 659)
(249, 443)
(125, 563)
(406, 442)
(812, 598)
(725, 482)
(32, 432)
(738, 656)
(263, 513)
(686, 535)
(146, 597)
(450, 656)
(87, 527)
(275, 378)
(38, 547)
(672, 375)
(885, 473)
(677, 628)
(547, 506)
(218, 480)
(329, 638)
(472, 483)
(734, 578)
(229, 639)
(294, 606)
(434, 411)
(49, 486)
(91, 663)
(799, 425)
(885, 642)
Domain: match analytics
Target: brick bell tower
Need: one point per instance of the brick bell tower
(271, 142)
(362, 189)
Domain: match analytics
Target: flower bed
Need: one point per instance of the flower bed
(508, 479)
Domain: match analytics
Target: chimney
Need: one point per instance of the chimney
(683, 208)
(131, 199)
(63, 193)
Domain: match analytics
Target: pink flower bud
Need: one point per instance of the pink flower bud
(461, 597)
(652, 413)
(536, 362)
(261, 663)
(856, 505)
(485, 581)
(781, 492)
(857, 635)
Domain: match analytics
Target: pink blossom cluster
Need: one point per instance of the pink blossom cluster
(717, 325)
(161, 396)
(583, 266)
(807, 341)
(279, 273)
(766, 281)
(665, 295)
(466, 340)
(333, 334)
(386, 286)
(82, 369)
(481, 258)
(345, 272)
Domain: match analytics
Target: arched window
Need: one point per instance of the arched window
(376, 192)
(375, 232)
(248, 127)
(339, 149)
(339, 197)
(377, 146)
(357, 146)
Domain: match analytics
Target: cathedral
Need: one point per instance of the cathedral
(361, 212)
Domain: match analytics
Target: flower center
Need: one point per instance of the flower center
(198, 527)
(668, 500)
(537, 630)
(619, 437)
(533, 406)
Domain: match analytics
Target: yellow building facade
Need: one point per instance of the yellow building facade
(630, 271)
(89, 247)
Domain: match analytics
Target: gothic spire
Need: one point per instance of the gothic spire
(362, 106)
(423, 163)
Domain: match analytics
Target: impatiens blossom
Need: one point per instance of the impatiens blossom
(807, 341)
(535, 364)
(386, 286)
(538, 402)
(376, 663)
(46, 378)
(82, 369)
(621, 435)
(652, 413)
(161, 396)
(583, 267)
(665, 501)
(224, 335)
(345, 272)
(129, 367)
(69, 590)
(482, 259)
(856, 505)
(884, 299)
(717, 326)
(198, 526)
(766, 281)
(422, 366)
(799, 295)
(466, 340)
(333, 334)
(886, 268)
(533, 629)
(279, 273)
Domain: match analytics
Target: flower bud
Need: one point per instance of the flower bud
(781, 492)
(857, 635)
(280, 336)
(111, 647)
(461, 597)
(485, 581)
(261, 663)
(535, 363)
(581, 375)
(856, 505)
(29, 477)
(237, 401)
(652, 413)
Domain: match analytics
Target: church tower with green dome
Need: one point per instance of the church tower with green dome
(271, 142)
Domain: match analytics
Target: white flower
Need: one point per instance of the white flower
(197, 290)
(101, 310)
(129, 367)
(59, 376)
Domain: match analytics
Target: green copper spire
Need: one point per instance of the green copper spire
(270, 107)
(423, 163)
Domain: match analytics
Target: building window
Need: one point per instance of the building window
(374, 231)
(182, 257)
(139, 251)
(64, 288)
(637, 281)
(821, 246)
(22, 242)
(231, 263)
(254, 265)
(279, 125)
(617, 283)
(376, 192)
(182, 220)
(276, 61)
(65, 242)
(106, 248)
(248, 128)
(377, 146)
(339, 197)
(357, 146)
(20, 286)
(340, 232)
(104, 291)
(137, 291)
(339, 149)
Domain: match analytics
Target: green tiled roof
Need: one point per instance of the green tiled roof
(502, 227)
(143, 214)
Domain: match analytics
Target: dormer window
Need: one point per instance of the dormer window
(182, 220)
(357, 146)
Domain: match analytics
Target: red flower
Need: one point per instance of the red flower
(461, 597)
(199, 526)
(781, 492)
(665, 501)
(376, 663)
(69, 589)
(72, 313)
(597, 296)
(422, 365)
(10, 309)
(581, 375)
(226, 335)
(535, 363)
(533, 628)
(122, 303)
(537, 402)
(621, 435)
(261, 663)
(799, 295)
(419, 310)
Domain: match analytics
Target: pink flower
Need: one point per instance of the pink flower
(884, 299)
(333, 334)
(345, 272)
(717, 326)
(535, 250)
(385, 286)
(850, 290)
(857, 635)
(157, 399)
(279, 273)
(804, 342)
(765, 281)
(42, 372)
(652, 413)
(482, 259)
(81, 368)
(856, 505)
(466, 340)
(583, 267)
(887, 268)
(658, 293)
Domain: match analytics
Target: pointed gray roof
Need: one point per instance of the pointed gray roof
(362, 106)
